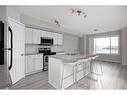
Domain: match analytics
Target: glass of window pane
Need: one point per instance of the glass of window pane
(102, 45)
(114, 45)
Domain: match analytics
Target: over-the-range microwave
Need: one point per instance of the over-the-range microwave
(46, 41)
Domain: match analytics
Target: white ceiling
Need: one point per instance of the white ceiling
(103, 18)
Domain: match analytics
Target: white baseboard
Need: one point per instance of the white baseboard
(124, 64)
(108, 61)
(30, 73)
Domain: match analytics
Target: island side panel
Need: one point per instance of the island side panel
(55, 72)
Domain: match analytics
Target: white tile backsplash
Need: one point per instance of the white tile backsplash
(31, 48)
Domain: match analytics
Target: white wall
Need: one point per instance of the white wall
(70, 43)
(84, 44)
(106, 57)
(12, 13)
(3, 13)
(124, 45)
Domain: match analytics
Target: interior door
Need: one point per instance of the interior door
(17, 71)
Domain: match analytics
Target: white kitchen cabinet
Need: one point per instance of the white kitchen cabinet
(34, 63)
(33, 36)
(49, 34)
(54, 38)
(38, 62)
(44, 33)
(36, 36)
(28, 36)
(29, 64)
(59, 39)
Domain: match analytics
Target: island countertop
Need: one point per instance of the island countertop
(61, 76)
(72, 58)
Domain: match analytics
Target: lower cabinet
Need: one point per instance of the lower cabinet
(38, 62)
(29, 64)
(34, 63)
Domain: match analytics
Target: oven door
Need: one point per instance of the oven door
(45, 62)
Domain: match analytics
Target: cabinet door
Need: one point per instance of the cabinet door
(54, 38)
(36, 36)
(39, 62)
(28, 36)
(26, 64)
(44, 33)
(30, 67)
(50, 34)
(59, 39)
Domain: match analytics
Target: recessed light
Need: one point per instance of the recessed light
(95, 29)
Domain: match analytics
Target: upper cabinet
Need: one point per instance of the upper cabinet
(36, 36)
(33, 36)
(59, 39)
(55, 40)
(44, 33)
(28, 36)
(50, 34)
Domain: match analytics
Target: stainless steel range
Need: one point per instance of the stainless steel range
(46, 53)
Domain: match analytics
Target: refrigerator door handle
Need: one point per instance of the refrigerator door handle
(6, 49)
(11, 38)
(22, 54)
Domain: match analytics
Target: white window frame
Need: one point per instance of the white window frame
(110, 45)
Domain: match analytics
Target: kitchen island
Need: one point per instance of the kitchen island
(57, 66)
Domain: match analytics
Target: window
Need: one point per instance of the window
(114, 45)
(107, 45)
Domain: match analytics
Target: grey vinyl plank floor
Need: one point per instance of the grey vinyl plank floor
(5, 79)
(114, 77)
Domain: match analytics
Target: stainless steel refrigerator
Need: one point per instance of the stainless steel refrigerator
(12, 67)
(5, 79)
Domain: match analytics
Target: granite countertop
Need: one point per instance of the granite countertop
(72, 58)
(27, 54)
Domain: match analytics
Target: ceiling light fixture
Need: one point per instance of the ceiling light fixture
(57, 23)
(79, 12)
